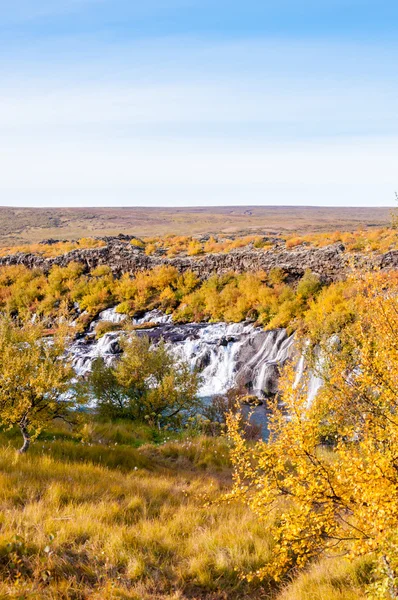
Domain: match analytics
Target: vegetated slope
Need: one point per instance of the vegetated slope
(23, 225)
(89, 516)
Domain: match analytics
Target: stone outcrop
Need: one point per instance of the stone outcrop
(330, 263)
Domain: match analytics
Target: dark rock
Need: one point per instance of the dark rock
(203, 361)
(330, 263)
(51, 242)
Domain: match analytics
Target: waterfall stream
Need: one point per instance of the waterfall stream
(226, 354)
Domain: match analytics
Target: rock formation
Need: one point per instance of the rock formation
(330, 263)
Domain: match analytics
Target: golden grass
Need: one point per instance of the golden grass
(51, 250)
(96, 521)
(330, 579)
(100, 519)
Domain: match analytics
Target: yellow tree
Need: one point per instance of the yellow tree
(34, 378)
(330, 468)
(394, 215)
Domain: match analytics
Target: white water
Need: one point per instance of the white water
(111, 315)
(226, 354)
(153, 316)
(314, 382)
(234, 354)
(314, 385)
(85, 351)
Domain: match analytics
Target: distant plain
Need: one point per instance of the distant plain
(29, 225)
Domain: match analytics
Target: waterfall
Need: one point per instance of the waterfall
(111, 315)
(314, 382)
(225, 354)
(236, 354)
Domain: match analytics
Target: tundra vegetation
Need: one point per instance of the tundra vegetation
(362, 240)
(150, 495)
(33, 378)
(31, 225)
(147, 384)
(55, 248)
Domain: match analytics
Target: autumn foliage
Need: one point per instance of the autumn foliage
(329, 471)
(264, 298)
(34, 379)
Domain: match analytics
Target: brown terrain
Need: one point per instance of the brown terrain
(29, 225)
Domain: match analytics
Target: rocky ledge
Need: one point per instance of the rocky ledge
(330, 263)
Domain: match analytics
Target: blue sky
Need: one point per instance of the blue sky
(186, 102)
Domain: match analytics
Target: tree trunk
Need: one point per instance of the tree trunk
(26, 437)
(391, 576)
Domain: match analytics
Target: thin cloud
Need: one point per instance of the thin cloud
(186, 120)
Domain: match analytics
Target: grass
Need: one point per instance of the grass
(91, 520)
(53, 249)
(105, 513)
(333, 579)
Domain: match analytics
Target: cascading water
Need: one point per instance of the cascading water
(314, 381)
(237, 354)
(227, 355)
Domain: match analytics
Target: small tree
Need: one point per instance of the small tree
(34, 376)
(343, 494)
(148, 383)
(394, 214)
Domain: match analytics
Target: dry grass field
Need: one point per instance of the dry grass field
(111, 515)
(29, 225)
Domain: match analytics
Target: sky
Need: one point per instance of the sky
(198, 102)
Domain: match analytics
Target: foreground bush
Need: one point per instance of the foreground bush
(343, 497)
